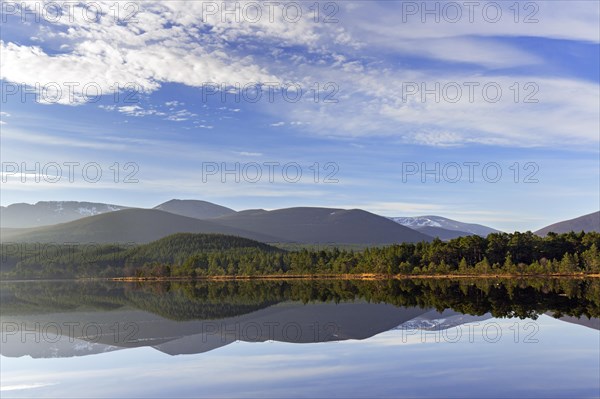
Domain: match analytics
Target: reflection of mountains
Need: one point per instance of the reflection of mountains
(284, 322)
(437, 321)
(178, 318)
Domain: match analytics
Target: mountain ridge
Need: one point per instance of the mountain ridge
(197, 209)
(129, 225)
(589, 222)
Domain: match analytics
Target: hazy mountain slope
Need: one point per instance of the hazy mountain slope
(194, 209)
(444, 223)
(581, 321)
(45, 213)
(590, 222)
(130, 225)
(323, 225)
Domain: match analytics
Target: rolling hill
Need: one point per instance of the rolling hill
(130, 225)
(323, 225)
(590, 222)
(194, 209)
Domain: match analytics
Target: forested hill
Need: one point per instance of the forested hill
(69, 260)
(176, 248)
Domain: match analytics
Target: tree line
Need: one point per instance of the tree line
(199, 255)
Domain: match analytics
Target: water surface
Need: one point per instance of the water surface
(397, 338)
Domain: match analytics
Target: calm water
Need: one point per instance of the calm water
(412, 338)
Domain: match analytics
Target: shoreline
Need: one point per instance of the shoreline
(364, 276)
(308, 277)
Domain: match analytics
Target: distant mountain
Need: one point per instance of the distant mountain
(194, 209)
(104, 223)
(322, 225)
(129, 225)
(590, 222)
(46, 213)
(419, 223)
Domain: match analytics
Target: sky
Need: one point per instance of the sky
(485, 112)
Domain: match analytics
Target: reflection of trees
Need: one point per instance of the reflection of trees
(219, 299)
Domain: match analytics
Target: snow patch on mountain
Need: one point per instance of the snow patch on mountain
(416, 222)
(419, 222)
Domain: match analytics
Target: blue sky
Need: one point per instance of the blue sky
(163, 72)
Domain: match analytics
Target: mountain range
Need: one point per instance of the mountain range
(126, 226)
(291, 225)
(71, 221)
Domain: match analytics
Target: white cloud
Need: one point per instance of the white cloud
(144, 53)
(135, 110)
(372, 104)
(181, 116)
(171, 42)
(250, 154)
(20, 387)
(544, 19)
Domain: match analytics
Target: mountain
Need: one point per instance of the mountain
(126, 226)
(45, 213)
(194, 209)
(420, 222)
(590, 222)
(322, 225)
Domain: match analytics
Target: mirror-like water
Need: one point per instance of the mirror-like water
(397, 338)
